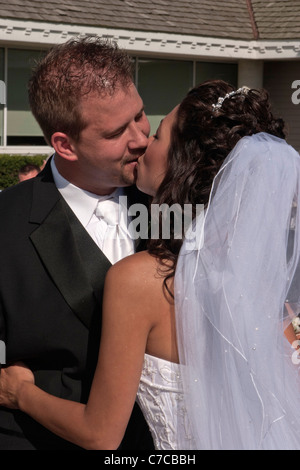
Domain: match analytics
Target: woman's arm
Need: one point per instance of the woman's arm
(127, 320)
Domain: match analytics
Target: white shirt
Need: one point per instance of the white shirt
(84, 204)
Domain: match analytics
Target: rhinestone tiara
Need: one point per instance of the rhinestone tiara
(243, 90)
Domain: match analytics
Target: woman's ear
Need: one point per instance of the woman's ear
(63, 146)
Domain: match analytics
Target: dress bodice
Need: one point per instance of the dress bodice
(160, 398)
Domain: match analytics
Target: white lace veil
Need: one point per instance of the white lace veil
(240, 373)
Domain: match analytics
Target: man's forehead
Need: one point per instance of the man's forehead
(111, 112)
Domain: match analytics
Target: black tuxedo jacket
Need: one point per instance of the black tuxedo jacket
(51, 284)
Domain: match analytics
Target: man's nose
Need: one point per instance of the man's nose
(140, 134)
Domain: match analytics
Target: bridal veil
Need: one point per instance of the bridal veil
(235, 289)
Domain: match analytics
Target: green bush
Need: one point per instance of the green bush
(10, 165)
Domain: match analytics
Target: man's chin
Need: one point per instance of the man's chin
(129, 178)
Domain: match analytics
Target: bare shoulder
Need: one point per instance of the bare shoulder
(134, 269)
(136, 298)
(139, 274)
(132, 293)
(143, 257)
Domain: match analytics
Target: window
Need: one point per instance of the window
(221, 71)
(22, 129)
(162, 84)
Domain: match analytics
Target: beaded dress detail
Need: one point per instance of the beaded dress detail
(160, 398)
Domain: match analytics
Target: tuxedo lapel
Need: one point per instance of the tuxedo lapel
(72, 259)
(96, 264)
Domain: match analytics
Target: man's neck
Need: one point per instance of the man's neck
(70, 173)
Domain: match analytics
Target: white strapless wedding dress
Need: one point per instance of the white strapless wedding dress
(160, 398)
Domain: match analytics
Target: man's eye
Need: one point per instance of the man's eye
(117, 134)
(139, 117)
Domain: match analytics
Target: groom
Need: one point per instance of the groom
(53, 245)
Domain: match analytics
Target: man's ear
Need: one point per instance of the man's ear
(63, 146)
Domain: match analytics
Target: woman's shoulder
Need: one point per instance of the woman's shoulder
(134, 267)
(139, 272)
(142, 278)
(136, 258)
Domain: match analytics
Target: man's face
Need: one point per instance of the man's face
(115, 136)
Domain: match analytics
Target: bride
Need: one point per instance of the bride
(197, 330)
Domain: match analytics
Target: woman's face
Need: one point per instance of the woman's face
(151, 167)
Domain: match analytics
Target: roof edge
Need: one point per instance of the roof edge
(32, 33)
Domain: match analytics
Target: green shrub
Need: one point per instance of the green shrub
(10, 165)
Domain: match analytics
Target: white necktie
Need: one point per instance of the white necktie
(116, 242)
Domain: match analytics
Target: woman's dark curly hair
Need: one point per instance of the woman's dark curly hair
(201, 139)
